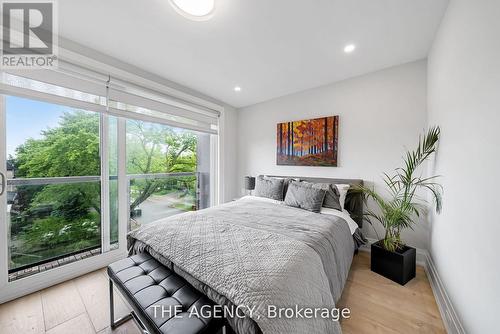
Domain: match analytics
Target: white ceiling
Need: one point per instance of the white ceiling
(268, 47)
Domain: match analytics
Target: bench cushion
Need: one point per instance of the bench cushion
(145, 282)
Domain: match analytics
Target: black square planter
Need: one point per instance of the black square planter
(397, 266)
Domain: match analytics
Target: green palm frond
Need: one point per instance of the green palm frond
(399, 211)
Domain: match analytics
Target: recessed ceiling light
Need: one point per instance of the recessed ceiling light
(198, 10)
(237, 89)
(349, 48)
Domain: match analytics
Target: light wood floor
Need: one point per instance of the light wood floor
(379, 305)
(80, 306)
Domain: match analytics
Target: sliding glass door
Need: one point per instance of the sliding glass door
(168, 171)
(53, 187)
(59, 204)
(79, 169)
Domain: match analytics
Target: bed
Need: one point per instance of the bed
(258, 255)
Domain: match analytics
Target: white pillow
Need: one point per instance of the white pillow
(342, 214)
(343, 188)
(262, 199)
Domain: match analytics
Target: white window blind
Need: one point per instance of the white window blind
(101, 93)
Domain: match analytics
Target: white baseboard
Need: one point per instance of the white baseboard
(450, 318)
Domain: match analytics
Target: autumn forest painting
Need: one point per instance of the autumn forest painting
(312, 142)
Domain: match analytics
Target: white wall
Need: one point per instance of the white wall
(464, 98)
(228, 148)
(380, 114)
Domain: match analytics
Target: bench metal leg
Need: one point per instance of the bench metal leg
(115, 323)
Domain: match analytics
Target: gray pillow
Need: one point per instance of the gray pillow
(269, 187)
(305, 196)
(286, 182)
(332, 197)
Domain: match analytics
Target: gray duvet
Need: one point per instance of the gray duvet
(256, 253)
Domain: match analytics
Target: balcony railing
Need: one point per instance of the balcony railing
(46, 230)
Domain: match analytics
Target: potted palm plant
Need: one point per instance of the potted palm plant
(390, 257)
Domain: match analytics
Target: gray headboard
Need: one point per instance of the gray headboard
(354, 200)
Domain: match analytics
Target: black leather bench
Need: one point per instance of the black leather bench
(148, 285)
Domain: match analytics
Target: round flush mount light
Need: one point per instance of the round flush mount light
(349, 48)
(196, 10)
(237, 89)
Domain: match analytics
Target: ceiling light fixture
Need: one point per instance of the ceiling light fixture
(349, 48)
(237, 89)
(197, 10)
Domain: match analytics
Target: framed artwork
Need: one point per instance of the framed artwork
(312, 142)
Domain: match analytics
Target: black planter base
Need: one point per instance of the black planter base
(397, 266)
